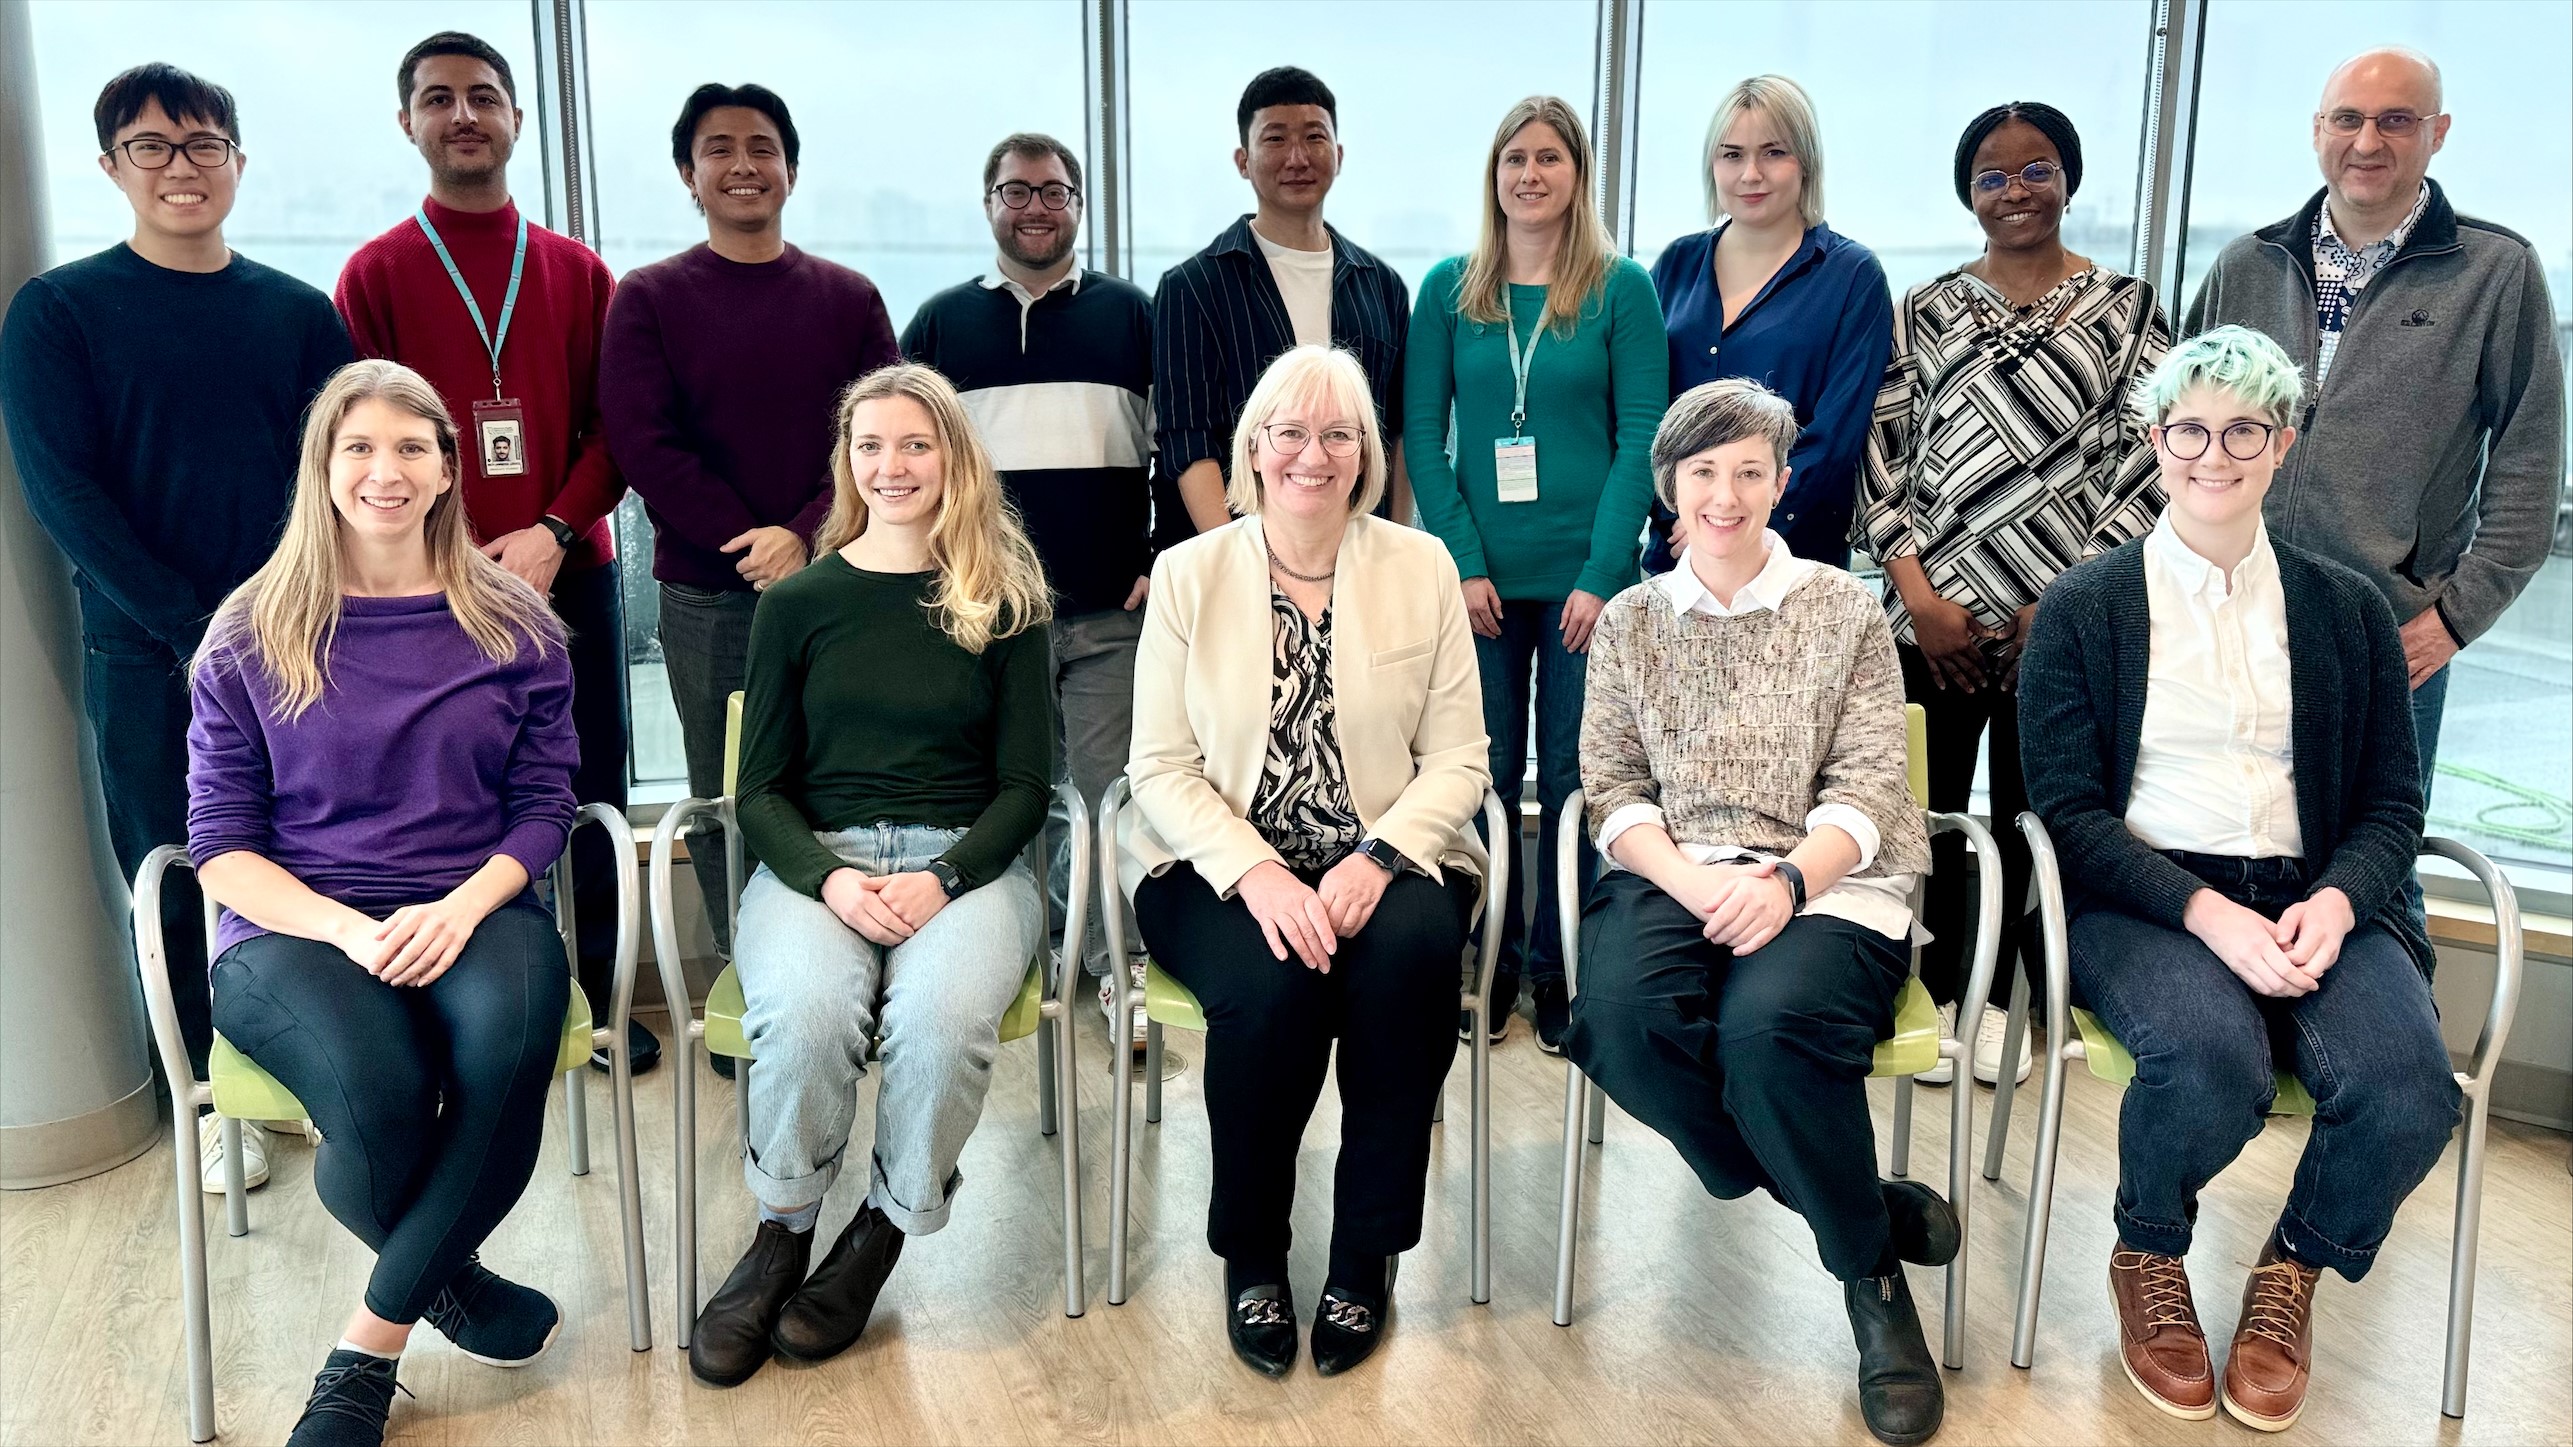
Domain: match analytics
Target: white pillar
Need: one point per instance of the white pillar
(76, 1089)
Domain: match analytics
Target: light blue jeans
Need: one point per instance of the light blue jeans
(815, 992)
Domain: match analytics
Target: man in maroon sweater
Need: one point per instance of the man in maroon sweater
(719, 380)
(504, 319)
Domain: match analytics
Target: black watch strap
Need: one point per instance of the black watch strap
(1381, 854)
(1795, 884)
(561, 530)
(947, 877)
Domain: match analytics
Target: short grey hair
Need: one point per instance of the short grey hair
(1712, 414)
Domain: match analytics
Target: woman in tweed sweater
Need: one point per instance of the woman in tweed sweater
(1742, 749)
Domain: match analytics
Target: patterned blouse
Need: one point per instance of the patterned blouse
(1302, 808)
(2003, 450)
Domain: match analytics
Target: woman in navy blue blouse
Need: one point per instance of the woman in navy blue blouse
(1771, 293)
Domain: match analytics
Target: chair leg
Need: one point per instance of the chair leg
(576, 1116)
(1481, 1109)
(629, 1191)
(1598, 1114)
(1045, 1078)
(192, 1269)
(683, 1133)
(1902, 1146)
(1121, 1152)
(1065, 1084)
(236, 1192)
(2041, 1207)
(2013, 1040)
(2461, 1265)
(1960, 1199)
(1568, 1206)
(1152, 1072)
(741, 1101)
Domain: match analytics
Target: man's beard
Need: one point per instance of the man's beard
(1015, 250)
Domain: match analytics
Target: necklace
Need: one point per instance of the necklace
(1280, 564)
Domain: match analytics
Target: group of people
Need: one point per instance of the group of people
(353, 634)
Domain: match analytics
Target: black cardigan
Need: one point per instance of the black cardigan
(2357, 770)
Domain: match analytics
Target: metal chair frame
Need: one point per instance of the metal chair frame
(1056, 1059)
(1476, 1002)
(1582, 1098)
(188, 1093)
(2065, 1045)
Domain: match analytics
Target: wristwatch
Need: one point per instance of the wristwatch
(561, 530)
(947, 877)
(1795, 886)
(1381, 854)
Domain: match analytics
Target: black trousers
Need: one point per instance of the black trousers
(592, 608)
(430, 1099)
(1955, 722)
(134, 688)
(1755, 1065)
(1389, 999)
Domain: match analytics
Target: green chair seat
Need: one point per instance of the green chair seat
(724, 1013)
(1168, 1002)
(2110, 1062)
(1914, 1046)
(243, 1091)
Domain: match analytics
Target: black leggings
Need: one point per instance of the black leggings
(1390, 999)
(430, 1099)
(1955, 722)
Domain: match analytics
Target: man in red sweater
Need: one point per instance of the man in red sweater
(504, 317)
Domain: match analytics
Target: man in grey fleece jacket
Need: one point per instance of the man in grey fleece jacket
(2430, 451)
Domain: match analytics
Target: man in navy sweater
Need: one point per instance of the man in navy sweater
(154, 395)
(1055, 365)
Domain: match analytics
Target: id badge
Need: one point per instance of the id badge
(500, 438)
(1514, 467)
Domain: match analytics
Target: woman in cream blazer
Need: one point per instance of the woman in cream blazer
(1308, 756)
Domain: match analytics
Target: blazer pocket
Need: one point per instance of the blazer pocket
(1392, 657)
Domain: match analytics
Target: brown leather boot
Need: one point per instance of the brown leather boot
(2159, 1341)
(2273, 1346)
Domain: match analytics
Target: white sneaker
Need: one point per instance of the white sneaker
(1987, 1047)
(1108, 1004)
(254, 1154)
(1946, 1070)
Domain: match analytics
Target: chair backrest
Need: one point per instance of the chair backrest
(732, 741)
(1916, 753)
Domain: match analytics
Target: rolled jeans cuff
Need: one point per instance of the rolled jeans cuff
(921, 1221)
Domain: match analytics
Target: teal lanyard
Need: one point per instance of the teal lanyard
(1519, 361)
(508, 303)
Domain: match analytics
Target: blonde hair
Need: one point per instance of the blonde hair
(990, 584)
(1308, 374)
(288, 613)
(1789, 109)
(1581, 263)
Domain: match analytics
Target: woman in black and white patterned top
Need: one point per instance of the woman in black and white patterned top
(1308, 758)
(2002, 454)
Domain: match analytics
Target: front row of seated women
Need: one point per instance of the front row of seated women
(2218, 736)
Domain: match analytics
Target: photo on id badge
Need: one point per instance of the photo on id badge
(501, 432)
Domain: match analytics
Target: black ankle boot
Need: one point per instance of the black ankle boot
(1261, 1325)
(1899, 1392)
(828, 1315)
(731, 1341)
(1925, 1230)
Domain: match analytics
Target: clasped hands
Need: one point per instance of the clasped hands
(2284, 958)
(1311, 921)
(886, 908)
(413, 945)
(1744, 905)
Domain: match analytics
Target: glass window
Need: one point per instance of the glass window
(328, 165)
(2505, 782)
(1893, 83)
(895, 107)
(1419, 92)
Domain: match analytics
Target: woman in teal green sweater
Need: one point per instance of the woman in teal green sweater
(1546, 347)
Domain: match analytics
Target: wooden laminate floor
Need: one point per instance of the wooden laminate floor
(1697, 1320)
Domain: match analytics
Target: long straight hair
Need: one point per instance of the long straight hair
(990, 584)
(1581, 262)
(287, 614)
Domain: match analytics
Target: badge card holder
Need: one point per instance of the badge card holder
(500, 437)
(499, 425)
(1514, 458)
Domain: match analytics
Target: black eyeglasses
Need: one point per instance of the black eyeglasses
(1016, 194)
(2393, 125)
(151, 153)
(2036, 175)
(2244, 441)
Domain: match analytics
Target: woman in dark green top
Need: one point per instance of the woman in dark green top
(1547, 348)
(897, 737)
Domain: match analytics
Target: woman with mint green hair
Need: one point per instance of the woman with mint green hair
(2217, 730)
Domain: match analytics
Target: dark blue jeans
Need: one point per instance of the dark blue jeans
(1531, 643)
(2207, 1050)
(2429, 705)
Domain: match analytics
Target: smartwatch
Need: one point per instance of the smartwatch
(1381, 854)
(1795, 886)
(949, 880)
(561, 530)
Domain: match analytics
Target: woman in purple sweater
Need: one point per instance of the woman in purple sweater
(380, 764)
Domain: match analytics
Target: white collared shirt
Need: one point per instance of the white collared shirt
(1882, 904)
(2215, 767)
(999, 280)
